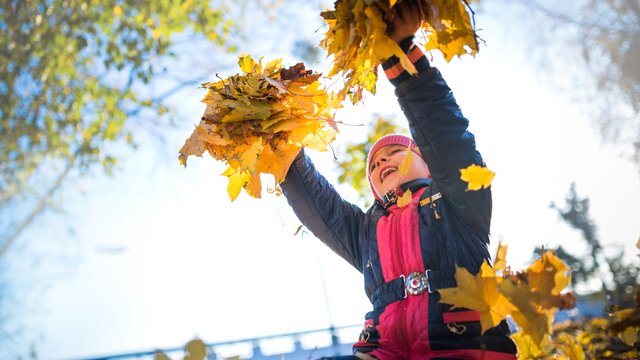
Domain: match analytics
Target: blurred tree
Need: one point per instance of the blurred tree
(75, 83)
(72, 81)
(352, 162)
(619, 289)
(590, 49)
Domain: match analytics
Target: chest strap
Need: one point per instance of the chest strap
(412, 284)
(429, 199)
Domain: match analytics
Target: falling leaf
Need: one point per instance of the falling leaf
(479, 293)
(258, 121)
(477, 177)
(534, 320)
(500, 261)
(405, 164)
(638, 245)
(405, 199)
(535, 293)
(549, 274)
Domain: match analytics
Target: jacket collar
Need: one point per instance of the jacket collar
(391, 197)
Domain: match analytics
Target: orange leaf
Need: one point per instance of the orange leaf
(405, 199)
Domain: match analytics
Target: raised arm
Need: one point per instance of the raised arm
(436, 123)
(320, 208)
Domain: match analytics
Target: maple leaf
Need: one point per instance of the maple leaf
(405, 164)
(535, 293)
(528, 349)
(479, 293)
(548, 274)
(405, 199)
(477, 177)
(500, 260)
(237, 180)
(534, 320)
(258, 122)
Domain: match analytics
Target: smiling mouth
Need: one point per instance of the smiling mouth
(386, 172)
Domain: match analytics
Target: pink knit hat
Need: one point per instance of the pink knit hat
(391, 139)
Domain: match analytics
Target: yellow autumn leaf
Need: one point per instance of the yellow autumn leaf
(250, 156)
(248, 65)
(449, 29)
(568, 345)
(535, 293)
(405, 164)
(533, 319)
(237, 180)
(528, 349)
(405, 199)
(479, 292)
(258, 121)
(500, 260)
(196, 147)
(477, 177)
(549, 274)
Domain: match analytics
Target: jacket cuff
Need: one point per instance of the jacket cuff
(394, 70)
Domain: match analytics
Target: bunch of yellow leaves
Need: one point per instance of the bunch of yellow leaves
(258, 121)
(358, 41)
(530, 297)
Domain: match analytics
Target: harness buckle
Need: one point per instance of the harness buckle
(416, 283)
(404, 282)
(426, 274)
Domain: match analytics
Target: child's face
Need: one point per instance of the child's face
(384, 169)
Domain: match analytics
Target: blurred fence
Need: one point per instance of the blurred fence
(303, 345)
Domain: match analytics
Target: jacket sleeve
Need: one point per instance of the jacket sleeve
(320, 208)
(440, 131)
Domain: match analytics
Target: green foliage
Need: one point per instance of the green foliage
(352, 167)
(74, 80)
(67, 84)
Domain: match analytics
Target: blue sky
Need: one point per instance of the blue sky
(164, 256)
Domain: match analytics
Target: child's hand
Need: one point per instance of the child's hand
(406, 20)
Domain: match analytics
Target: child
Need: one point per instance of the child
(408, 253)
